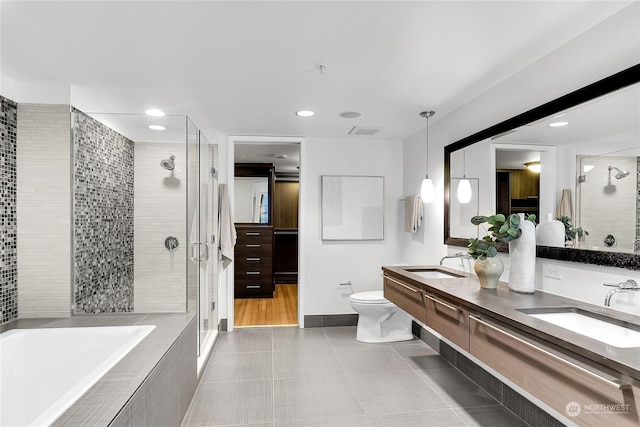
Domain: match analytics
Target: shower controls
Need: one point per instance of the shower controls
(171, 243)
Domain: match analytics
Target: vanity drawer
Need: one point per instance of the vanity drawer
(448, 319)
(571, 387)
(407, 297)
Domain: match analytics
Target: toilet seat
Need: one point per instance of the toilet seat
(369, 297)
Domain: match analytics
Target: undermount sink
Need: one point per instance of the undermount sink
(434, 274)
(597, 327)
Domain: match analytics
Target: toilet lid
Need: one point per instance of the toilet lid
(370, 297)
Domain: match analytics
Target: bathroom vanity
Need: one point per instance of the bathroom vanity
(531, 339)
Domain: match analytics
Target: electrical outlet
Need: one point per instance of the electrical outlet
(553, 273)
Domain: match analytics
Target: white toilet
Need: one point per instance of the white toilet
(380, 320)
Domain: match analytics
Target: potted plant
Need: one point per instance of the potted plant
(572, 233)
(502, 229)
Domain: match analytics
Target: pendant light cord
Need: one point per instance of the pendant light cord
(426, 114)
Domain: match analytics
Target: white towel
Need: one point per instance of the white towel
(565, 207)
(413, 213)
(226, 227)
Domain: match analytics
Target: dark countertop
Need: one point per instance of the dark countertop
(102, 402)
(502, 305)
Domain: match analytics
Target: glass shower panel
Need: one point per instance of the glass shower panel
(193, 216)
(129, 187)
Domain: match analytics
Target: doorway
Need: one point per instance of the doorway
(266, 209)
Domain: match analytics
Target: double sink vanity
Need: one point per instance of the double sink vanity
(580, 359)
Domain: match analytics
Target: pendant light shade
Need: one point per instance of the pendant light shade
(464, 191)
(427, 191)
(464, 186)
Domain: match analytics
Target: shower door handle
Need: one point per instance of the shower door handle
(202, 256)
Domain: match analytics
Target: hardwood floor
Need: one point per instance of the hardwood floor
(281, 310)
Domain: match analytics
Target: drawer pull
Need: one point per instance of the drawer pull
(252, 287)
(415, 291)
(253, 259)
(253, 273)
(617, 385)
(252, 233)
(450, 307)
(252, 246)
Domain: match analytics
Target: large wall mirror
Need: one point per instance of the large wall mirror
(587, 142)
(253, 184)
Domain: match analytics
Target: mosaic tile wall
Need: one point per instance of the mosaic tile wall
(638, 200)
(103, 217)
(8, 217)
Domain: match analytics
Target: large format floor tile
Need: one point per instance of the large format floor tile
(323, 377)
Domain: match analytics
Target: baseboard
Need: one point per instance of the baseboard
(528, 411)
(330, 320)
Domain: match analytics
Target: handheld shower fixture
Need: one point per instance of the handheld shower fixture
(169, 163)
(620, 174)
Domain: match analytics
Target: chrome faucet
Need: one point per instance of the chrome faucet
(629, 285)
(457, 255)
(636, 244)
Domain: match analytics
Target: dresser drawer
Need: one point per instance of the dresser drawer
(254, 235)
(449, 320)
(253, 288)
(405, 296)
(257, 272)
(253, 249)
(251, 260)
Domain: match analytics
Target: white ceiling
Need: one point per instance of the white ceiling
(244, 68)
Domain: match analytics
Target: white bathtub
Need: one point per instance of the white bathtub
(44, 371)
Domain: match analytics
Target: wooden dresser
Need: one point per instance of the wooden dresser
(254, 261)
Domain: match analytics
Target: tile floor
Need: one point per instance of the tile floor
(323, 377)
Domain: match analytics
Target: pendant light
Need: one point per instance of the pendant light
(427, 192)
(464, 186)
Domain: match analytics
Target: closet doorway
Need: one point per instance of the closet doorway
(266, 198)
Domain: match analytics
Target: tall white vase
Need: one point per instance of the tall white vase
(550, 233)
(522, 255)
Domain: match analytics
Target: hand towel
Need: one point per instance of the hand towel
(413, 213)
(226, 227)
(565, 207)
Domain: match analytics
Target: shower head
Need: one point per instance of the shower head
(620, 174)
(168, 164)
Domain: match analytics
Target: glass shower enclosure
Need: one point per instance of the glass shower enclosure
(145, 216)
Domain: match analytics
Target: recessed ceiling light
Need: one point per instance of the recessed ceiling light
(305, 113)
(558, 124)
(350, 114)
(157, 127)
(154, 112)
(533, 166)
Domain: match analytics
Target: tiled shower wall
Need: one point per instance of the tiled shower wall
(8, 217)
(638, 199)
(103, 197)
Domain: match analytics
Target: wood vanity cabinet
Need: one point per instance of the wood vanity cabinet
(448, 319)
(569, 386)
(407, 297)
(253, 262)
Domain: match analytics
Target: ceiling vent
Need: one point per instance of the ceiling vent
(356, 130)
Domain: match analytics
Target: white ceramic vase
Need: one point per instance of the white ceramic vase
(550, 233)
(522, 255)
(489, 271)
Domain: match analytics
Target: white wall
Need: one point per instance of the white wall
(159, 212)
(607, 48)
(44, 210)
(326, 264)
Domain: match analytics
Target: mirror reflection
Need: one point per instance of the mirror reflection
(251, 203)
(592, 150)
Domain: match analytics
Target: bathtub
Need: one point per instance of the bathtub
(44, 371)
